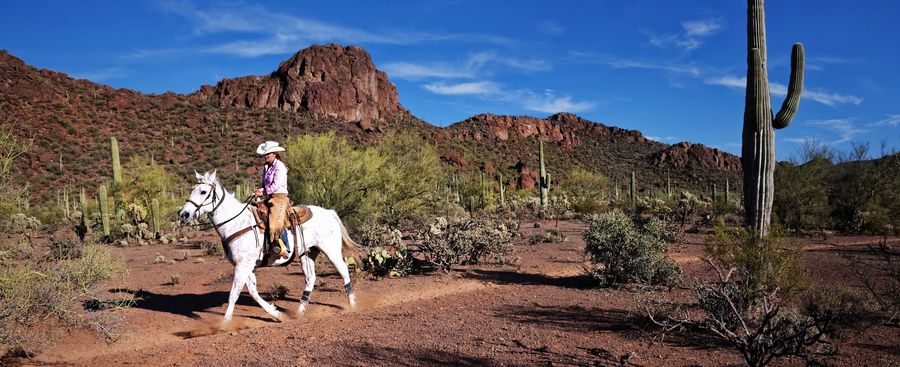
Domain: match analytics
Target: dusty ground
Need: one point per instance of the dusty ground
(540, 313)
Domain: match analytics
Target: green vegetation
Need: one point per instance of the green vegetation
(397, 181)
(624, 251)
(51, 293)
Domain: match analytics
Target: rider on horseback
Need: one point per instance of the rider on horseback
(275, 190)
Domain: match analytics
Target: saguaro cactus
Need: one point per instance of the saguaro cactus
(117, 167)
(502, 189)
(544, 179)
(82, 202)
(633, 190)
(727, 192)
(104, 208)
(758, 150)
(154, 209)
(668, 184)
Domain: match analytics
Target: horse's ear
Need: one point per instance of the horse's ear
(199, 176)
(212, 177)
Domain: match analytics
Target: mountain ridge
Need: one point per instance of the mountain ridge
(71, 121)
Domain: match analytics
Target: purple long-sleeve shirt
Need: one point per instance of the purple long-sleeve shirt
(275, 179)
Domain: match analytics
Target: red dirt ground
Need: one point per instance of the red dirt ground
(539, 313)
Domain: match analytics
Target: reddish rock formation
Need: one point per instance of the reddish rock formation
(331, 80)
(526, 179)
(696, 156)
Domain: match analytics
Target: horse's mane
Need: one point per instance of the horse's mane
(210, 178)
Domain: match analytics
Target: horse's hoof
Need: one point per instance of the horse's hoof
(301, 310)
(278, 316)
(352, 302)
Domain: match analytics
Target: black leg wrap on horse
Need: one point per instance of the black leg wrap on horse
(305, 297)
(349, 288)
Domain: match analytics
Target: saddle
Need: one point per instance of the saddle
(295, 216)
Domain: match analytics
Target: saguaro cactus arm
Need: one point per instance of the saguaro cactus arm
(795, 88)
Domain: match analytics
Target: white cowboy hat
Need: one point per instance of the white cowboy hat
(269, 147)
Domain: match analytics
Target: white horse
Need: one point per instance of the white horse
(229, 217)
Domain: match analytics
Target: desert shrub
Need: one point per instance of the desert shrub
(760, 327)
(34, 293)
(62, 248)
(468, 242)
(551, 235)
(879, 272)
(865, 195)
(687, 208)
(760, 262)
(11, 149)
(396, 181)
(587, 190)
(801, 196)
(623, 251)
(394, 263)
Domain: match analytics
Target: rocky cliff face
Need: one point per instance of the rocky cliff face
(561, 128)
(696, 156)
(330, 80)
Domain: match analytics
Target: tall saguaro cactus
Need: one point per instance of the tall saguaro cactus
(117, 167)
(102, 199)
(544, 182)
(633, 190)
(758, 151)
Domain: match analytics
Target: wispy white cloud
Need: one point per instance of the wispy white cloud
(481, 88)
(102, 74)
(701, 28)
(844, 128)
(691, 36)
(277, 33)
(662, 139)
(823, 97)
(690, 69)
(893, 120)
(549, 102)
(551, 28)
(473, 66)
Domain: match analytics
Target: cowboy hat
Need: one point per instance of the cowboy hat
(269, 147)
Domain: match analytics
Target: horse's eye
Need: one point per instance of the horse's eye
(202, 192)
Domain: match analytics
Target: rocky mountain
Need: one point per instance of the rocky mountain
(334, 81)
(319, 89)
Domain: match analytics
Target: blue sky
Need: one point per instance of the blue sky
(673, 69)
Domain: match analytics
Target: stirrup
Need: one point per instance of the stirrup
(283, 248)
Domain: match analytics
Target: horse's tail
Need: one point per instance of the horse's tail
(349, 246)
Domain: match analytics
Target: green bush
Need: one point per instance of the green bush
(467, 242)
(801, 197)
(623, 251)
(395, 182)
(587, 190)
(396, 263)
(760, 263)
(11, 149)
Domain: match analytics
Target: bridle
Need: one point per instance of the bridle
(216, 204)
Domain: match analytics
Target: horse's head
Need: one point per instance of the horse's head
(203, 197)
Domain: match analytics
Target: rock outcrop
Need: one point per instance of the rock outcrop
(330, 80)
(696, 156)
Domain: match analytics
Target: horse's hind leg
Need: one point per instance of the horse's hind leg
(338, 261)
(309, 272)
(270, 309)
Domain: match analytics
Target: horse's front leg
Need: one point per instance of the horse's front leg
(309, 272)
(270, 308)
(241, 275)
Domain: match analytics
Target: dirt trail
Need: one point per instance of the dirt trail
(539, 313)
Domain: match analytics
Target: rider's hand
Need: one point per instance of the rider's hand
(258, 192)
